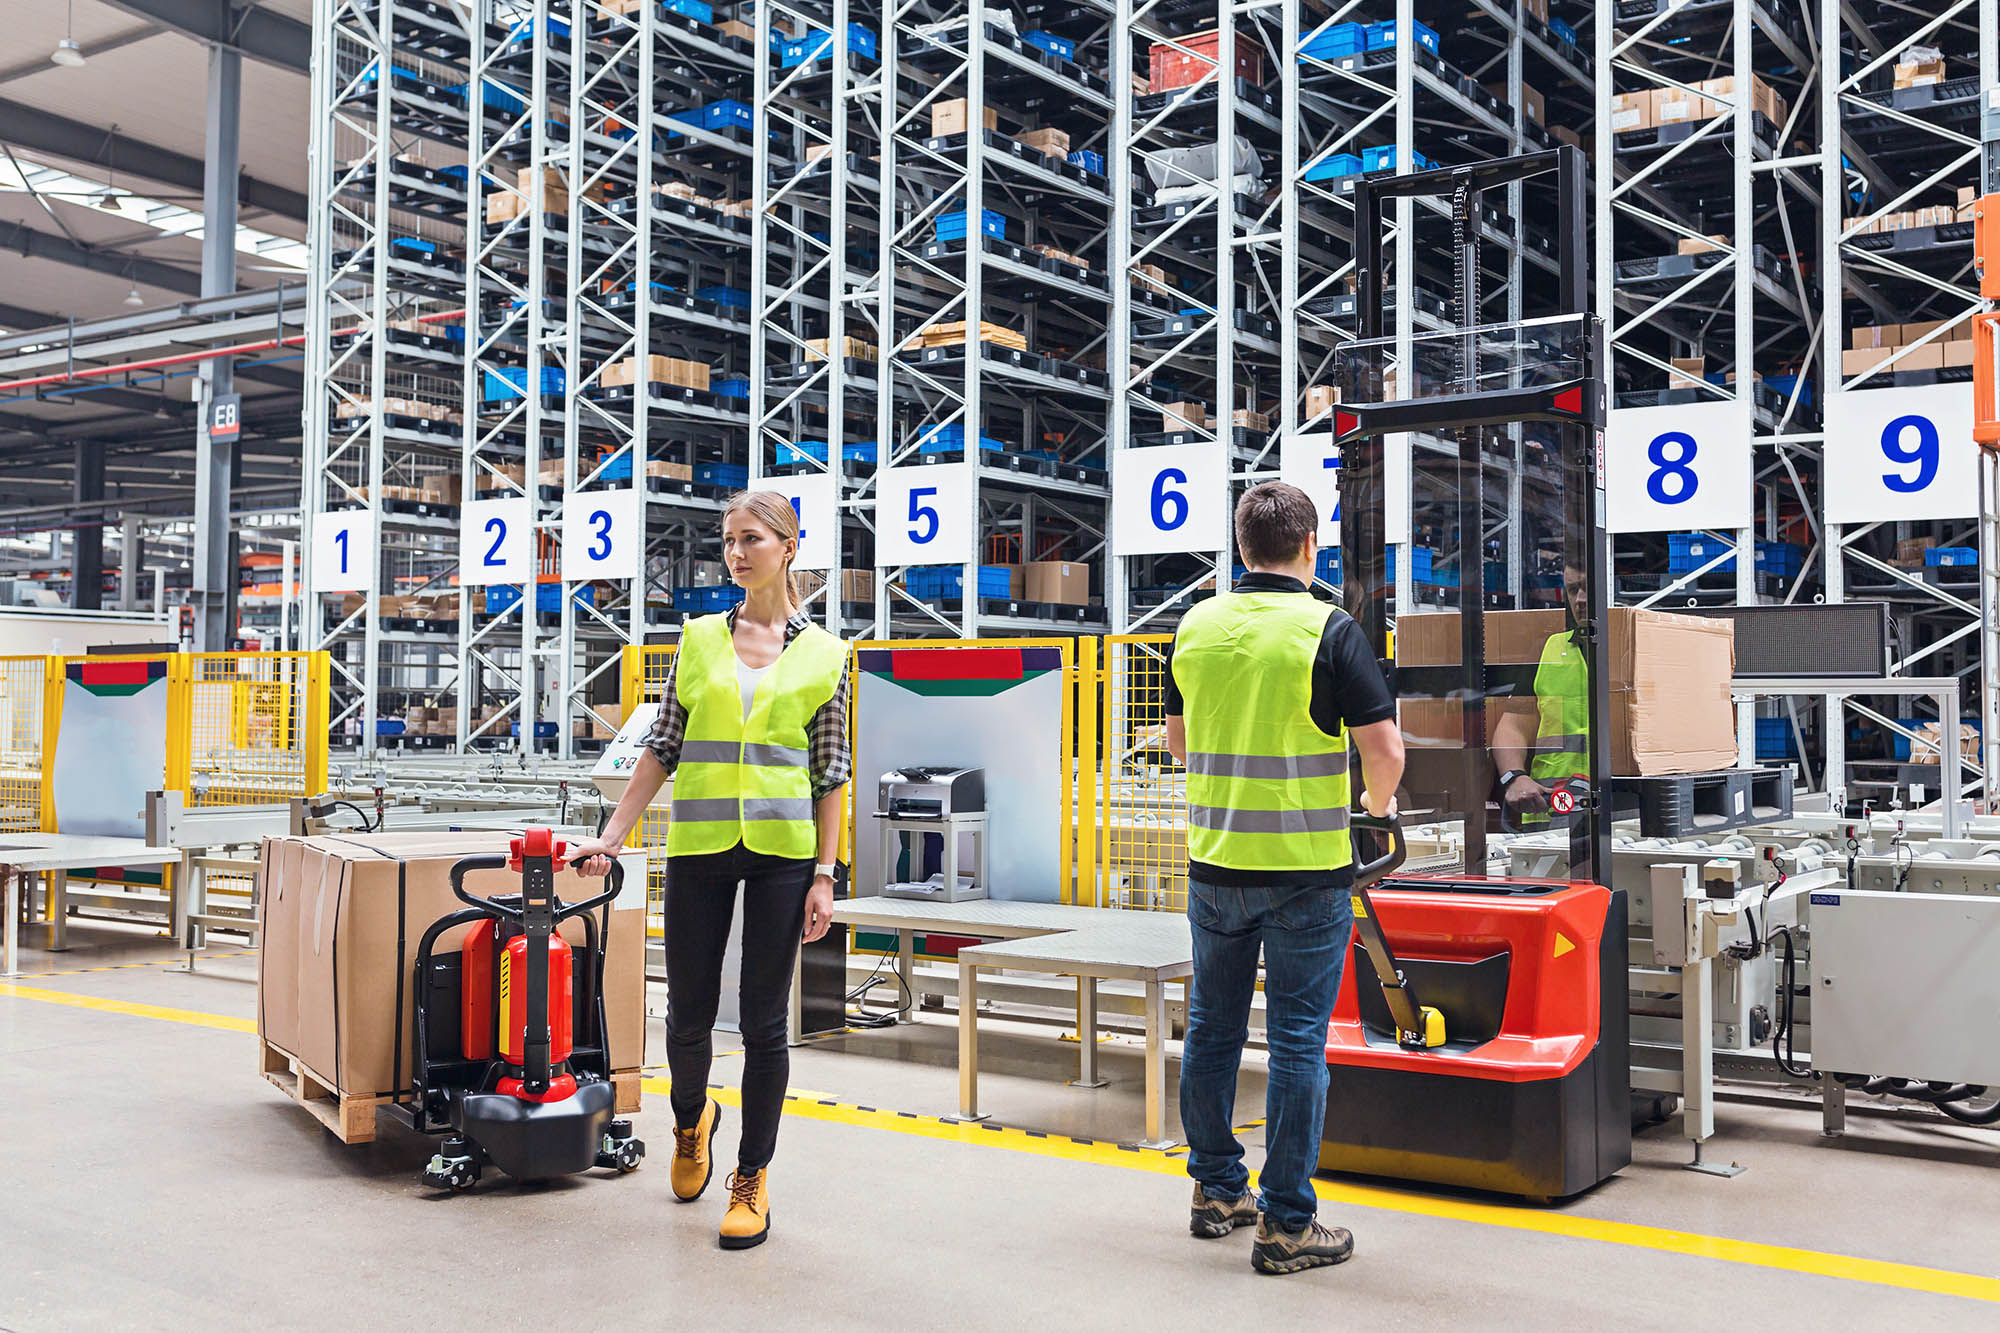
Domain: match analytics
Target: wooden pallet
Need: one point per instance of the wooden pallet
(352, 1119)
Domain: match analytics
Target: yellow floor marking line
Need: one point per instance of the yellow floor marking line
(809, 1105)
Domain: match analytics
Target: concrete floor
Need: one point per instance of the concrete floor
(152, 1180)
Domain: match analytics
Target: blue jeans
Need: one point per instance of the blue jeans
(1304, 935)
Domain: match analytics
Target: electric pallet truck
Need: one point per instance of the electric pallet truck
(1479, 1038)
(512, 1062)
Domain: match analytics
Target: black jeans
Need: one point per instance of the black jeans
(701, 899)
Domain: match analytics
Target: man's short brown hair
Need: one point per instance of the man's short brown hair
(1274, 520)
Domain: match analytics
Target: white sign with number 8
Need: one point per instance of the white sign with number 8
(1678, 468)
(1169, 499)
(1901, 455)
(923, 515)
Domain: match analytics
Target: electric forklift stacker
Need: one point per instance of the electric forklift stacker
(1480, 1035)
(513, 1065)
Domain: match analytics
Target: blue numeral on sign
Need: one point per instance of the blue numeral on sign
(1684, 479)
(601, 548)
(1165, 500)
(498, 527)
(799, 515)
(340, 540)
(920, 512)
(1924, 454)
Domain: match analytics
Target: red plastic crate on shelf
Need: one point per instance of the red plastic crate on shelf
(1175, 68)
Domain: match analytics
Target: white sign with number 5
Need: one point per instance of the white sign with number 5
(811, 495)
(601, 536)
(1678, 468)
(923, 515)
(343, 551)
(495, 543)
(1901, 454)
(1169, 499)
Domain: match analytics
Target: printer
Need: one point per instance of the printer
(931, 793)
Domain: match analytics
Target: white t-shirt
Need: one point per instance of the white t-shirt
(747, 678)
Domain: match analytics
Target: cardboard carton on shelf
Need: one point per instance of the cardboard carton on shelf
(1320, 399)
(1870, 335)
(1183, 416)
(1957, 352)
(1860, 360)
(1671, 106)
(851, 349)
(1065, 582)
(1688, 372)
(1928, 357)
(1632, 111)
(1245, 419)
(1910, 552)
(1920, 73)
(1669, 683)
(659, 467)
(1701, 245)
(1532, 101)
(340, 917)
(948, 117)
(1047, 141)
(657, 370)
(856, 585)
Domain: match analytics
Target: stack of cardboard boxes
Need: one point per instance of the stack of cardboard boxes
(953, 335)
(851, 349)
(1920, 65)
(1048, 142)
(657, 370)
(1935, 215)
(948, 117)
(856, 585)
(1870, 345)
(504, 205)
(1064, 255)
(1709, 99)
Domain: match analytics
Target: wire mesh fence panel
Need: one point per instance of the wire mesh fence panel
(254, 726)
(1142, 822)
(23, 694)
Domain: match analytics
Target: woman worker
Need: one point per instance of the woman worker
(753, 725)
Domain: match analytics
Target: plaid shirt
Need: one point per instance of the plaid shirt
(831, 759)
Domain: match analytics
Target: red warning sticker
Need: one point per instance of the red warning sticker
(1562, 802)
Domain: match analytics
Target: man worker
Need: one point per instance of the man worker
(1537, 750)
(1267, 690)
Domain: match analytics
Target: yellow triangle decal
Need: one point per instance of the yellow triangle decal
(1563, 945)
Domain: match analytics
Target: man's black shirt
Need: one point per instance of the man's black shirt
(1347, 690)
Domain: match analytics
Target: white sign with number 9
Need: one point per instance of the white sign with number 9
(1169, 499)
(1901, 454)
(495, 542)
(923, 515)
(1678, 468)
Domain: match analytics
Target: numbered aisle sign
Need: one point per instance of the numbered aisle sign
(1901, 454)
(343, 553)
(1311, 462)
(923, 515)
(495, 542)
(1169, 499)
(1678, 468)
(811, 495)
(601, 535)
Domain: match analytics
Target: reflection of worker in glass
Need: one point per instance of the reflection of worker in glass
(1538, 751)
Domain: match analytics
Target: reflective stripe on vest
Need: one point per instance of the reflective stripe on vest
(742, 779)
(1562, 707)
(1266, 788)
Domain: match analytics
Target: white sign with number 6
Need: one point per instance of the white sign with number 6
(1169, 499)
(811, 495)
(495, 542)
(601, 535)
(343, 551)
(923, 515)
(1901, 454)
(1678, 468)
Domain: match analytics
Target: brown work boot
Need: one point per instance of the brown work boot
(748, 1220)
(1278, 1251)
(693, 1164)
(1210, 1215)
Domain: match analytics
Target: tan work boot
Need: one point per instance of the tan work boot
(1277, 1251)
(693, 1164)
(748, 1220)
(1210, 1216)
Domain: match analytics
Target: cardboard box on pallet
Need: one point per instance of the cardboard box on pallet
(1065, 582)
(1048, 142)
(1184, 416)
(948, 117)
(856, 585)
(1669, 684)
(1701, 245)
(659, 370)
(1910, 552)
(1688, 372)
(341, 917)
(1632, 111)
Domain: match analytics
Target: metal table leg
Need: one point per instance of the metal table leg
(1086, 1033)
(58, 911)
(10, 963)
(1156, 1066)
(968, 1040)
(1833, 1107)
(906, 968)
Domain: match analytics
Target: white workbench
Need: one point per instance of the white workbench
(26, 855)
(1088, 943)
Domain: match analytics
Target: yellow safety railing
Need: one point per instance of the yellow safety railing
(643, 680)
(1143, 794)
(30, 704)
(242, 728)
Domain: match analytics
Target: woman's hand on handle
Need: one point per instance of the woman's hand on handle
(819, 908)
(594, 857)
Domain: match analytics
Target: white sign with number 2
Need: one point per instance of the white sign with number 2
(1678, 468)
(495, 543)
(600, 535)
(1901, 454)
(1169, 499)
(811, 494)
(923, 515)
(343, 551)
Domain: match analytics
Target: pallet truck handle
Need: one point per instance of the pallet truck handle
(1418, 1026)
(1373, 871)
(489, 861)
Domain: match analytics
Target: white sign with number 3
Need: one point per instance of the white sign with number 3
(923, 515)
(1901, 454)
(1678, 468)
(343, 551)
(495, 543)
(1169, 499)
(811, 494)
(601, 535)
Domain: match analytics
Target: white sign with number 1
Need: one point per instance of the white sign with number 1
(1901, 454)
(923, 515)
(343, 551)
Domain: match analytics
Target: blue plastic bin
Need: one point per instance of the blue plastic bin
(1337, 167)
(1383, 158)
(1088, 160)
(512, 382)
(1384, 34)
(732, 296)
(1689, 551)
(1341, 39)
(951, 226)
(693, 9)
(1950, 557)
(1048, 41)
(722, 474)
(818, 42)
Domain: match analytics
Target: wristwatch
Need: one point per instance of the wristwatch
(826, 870)
(1507, 778)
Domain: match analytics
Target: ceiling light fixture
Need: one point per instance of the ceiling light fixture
(67, 52)
(133, 298)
